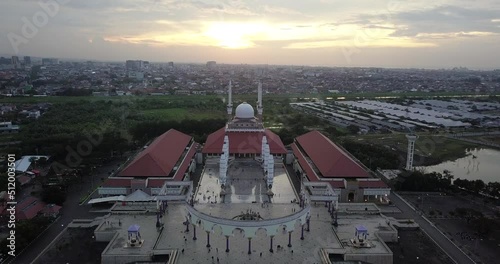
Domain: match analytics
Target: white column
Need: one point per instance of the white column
(224, 158)
(411, 150)
(262, 150)
(270, 171)
(223, 169)
(267, 155)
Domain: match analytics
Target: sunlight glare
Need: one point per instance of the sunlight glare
(234, 35)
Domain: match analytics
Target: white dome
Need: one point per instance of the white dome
(244, 110)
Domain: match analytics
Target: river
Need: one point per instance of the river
(479, 164)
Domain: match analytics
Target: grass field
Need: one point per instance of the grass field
(490, 139)
(178, 114)
(250, 98)
(433, 146)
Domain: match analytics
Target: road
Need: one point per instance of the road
(71, 210)
(446, 245)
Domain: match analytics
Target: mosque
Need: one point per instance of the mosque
(255, 197)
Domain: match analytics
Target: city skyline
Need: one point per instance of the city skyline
(428, 34)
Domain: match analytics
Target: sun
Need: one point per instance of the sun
(234, 35)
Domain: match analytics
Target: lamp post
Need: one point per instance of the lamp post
(208, 238)
(271, 247)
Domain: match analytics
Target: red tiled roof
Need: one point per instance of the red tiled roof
(28, 208)
(152, 182)
(156, 183)
(377, 183)
(337, 184)
(243, 142)
(116, 182)
(311, 175)
(159, 158)
(330, 159)
(179, 174)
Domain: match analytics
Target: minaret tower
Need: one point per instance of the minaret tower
(230, 101)
(223, 164)
(259, 102)
(412, 137)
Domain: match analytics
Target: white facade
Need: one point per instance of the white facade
(411, 149)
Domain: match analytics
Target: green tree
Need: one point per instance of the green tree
(353, 129)
(53, 195)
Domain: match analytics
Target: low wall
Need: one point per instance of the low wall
(373, 258)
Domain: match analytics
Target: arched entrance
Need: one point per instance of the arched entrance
(350, 197)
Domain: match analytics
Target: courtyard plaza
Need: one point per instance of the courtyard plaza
(176, 237)
(245, 184)
(246, 194)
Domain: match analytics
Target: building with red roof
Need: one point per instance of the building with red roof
(245, 132)
(162, 157)
(319, 159)
(30, 207)
(170, 157)
(243, 143)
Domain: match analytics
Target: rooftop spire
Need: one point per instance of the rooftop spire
(230, 100)
(259, 100)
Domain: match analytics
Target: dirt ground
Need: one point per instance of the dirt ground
(76, 246)
(483, 248)
(415, 247)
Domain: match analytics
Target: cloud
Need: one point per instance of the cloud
(378, 43)
(244, 28)
(446, 19)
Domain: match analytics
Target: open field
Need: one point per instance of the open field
(430, 149)
(482, 247)
(69, 248)
(178, 114)
(415, 247)
(250, 98)
(489, 139)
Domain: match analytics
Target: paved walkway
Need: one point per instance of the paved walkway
(430, 229)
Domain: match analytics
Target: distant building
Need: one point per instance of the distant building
(136, 75)
(134, 65)
(211, 64)
(34, 114)
(15, 62)
(30, 207)
(170, 64)
(182, 92)
(8, 127)
(50, 61)
(27, 60)
(24, 163)
(5, 61)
